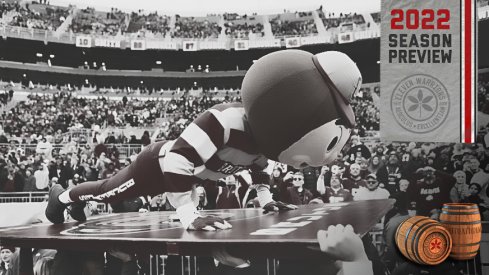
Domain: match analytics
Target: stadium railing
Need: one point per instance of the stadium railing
(12, 197)
(125, 150)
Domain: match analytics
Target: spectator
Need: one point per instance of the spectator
(372, 191)
(374, 164)
(109, 172)
(354, 179)
(392, 169)
(460, 190)
(474, 197)
(278, 186)
(296, 194)
(358, 150)
(478, 175)
(6, 263)
(19, 179)
(202, 198)
(432, 190)
(402, 197)
(30, 182)
(415, 162)
(310, 177)
(110, 139)
(227, 194)
(42, 178)
(102, 163)
(9, 184)
(340, 162)
(44, 148)
(145, 139)
(336, 193)
(66, 173)
(324, 179)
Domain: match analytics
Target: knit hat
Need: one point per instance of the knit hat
(11, 248)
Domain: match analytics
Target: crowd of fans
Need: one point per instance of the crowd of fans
(152, 22)
(297, 27)
(6, 7)
(243, 28)
(420, 176)
(332, 21)
(115, 22)
(50, 116)
(190, 27)
(44, 115)
(40, 17)
(89, 21)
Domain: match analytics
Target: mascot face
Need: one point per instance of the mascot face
(298, 105)
(329, 139)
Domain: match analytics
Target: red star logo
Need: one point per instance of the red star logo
(435, 245)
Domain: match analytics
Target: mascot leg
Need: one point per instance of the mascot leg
(142, 177)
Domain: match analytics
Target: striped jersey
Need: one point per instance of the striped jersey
(215, 145)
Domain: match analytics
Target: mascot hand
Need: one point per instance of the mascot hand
(274, 206)
(341, 243)
(209, 223)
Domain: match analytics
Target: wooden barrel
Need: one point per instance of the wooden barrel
(463, 221)
(423, 240)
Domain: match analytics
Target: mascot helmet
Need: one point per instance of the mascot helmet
(298, 105)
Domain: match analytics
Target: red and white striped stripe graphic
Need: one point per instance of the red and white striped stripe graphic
(469, 71)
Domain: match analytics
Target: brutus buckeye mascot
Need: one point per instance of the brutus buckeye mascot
(296, 110)
(298, 105)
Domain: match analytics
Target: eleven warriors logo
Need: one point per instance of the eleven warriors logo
(420, 103)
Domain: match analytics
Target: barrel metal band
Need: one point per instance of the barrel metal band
(460, 213)
(463, 253)
(420, 231)
(461, 207)
(460, 223)
(408, 231)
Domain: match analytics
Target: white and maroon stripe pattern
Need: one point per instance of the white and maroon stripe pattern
(469, 74)
(214, 146)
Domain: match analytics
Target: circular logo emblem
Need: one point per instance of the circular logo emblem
(435, 246)
(420, 103)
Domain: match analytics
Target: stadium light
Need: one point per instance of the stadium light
(39, 54)
(158, 62)
(51, 56)
(378, 61)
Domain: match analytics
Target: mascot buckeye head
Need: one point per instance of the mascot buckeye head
(298, 105)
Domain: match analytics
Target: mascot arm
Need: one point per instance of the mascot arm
(261, 181)
(195, 146)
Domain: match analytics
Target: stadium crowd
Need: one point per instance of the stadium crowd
(241, 26)
(281, 27)
(115, 22)
(190, 27)
(50, 116)
(152, 22)
(90, 21)
(33, 16)
(40, 17)
(420, 176)
(332, 21)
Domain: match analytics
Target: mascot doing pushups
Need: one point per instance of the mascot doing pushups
(296, 110)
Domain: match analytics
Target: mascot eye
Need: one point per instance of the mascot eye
(333, 143)
(340, 121)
